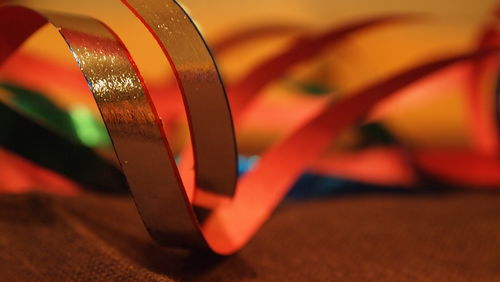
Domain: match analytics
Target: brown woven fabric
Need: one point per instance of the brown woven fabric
(429, 237)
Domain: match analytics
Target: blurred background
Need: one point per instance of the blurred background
(433, 123)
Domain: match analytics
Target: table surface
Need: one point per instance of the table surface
(428, 236)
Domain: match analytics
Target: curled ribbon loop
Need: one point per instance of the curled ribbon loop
(132, 122)
(202, 208)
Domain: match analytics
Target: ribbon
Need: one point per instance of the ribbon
(168, 197)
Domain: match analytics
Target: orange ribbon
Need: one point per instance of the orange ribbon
(166, 195)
